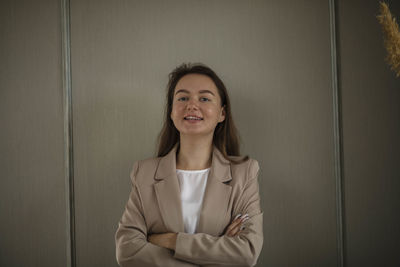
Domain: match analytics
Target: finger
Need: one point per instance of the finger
(245, 219)
(239, 220)
(235, 229)
(240, 231)
(233, 225)
(236, 223)
(232, 230)
(237, 216)
(241, 216)
(237, 226)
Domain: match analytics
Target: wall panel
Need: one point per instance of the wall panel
(371, 144)
(274, 57)
(32, 206)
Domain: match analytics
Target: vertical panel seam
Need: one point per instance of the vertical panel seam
(337, 135)
(68, 131)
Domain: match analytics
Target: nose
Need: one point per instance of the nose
(191, 104)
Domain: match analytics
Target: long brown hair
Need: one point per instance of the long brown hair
(226, 137)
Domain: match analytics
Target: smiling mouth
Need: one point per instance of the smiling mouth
(193, 118)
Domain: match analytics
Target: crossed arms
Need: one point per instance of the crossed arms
(133, 248)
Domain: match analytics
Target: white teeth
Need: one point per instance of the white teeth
(192, 118)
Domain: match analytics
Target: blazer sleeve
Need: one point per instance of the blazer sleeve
(240, 250)
(132, 247)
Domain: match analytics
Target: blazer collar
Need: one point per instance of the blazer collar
(216, 196)
(220, 167)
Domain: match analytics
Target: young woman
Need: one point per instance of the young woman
(197, 203)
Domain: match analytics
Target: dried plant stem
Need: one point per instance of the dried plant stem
(391, 37)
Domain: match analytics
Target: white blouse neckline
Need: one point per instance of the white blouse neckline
(193, 171)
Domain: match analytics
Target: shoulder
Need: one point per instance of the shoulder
(144, 168)
(246, 170)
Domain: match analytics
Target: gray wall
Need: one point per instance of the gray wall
(371, 144)
(32, 205)
(274, 56)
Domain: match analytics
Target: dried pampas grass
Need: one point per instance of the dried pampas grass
(391, 37)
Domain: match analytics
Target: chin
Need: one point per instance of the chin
(195, 132)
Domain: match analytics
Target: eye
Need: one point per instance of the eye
(204, 99)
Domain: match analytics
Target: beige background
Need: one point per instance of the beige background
(275, 59)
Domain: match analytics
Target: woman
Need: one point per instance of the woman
(197, 203)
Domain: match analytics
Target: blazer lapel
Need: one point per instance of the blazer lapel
(168, 192)
(216, 195)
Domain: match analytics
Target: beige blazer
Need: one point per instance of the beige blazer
(154, 206)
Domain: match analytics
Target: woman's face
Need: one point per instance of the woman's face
(196, 95)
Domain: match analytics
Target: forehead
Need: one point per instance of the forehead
(196, 82)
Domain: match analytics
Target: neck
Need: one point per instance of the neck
(194, 154)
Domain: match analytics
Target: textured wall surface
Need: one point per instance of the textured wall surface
(32, 205)
(275, 59)
(371, 131)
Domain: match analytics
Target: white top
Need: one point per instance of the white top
(192, 185)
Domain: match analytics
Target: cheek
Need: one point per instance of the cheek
(211, 111)
(176, 110)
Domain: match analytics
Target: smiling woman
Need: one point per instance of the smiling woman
(196, 111)
(197, 202)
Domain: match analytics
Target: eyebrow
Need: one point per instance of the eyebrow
(201, 91)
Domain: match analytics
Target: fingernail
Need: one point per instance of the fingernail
(245, 219)
(237, 216)
(245, 216)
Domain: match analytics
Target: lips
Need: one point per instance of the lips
(192, 117)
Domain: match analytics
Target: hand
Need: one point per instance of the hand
(166, 240)
(237, 225)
